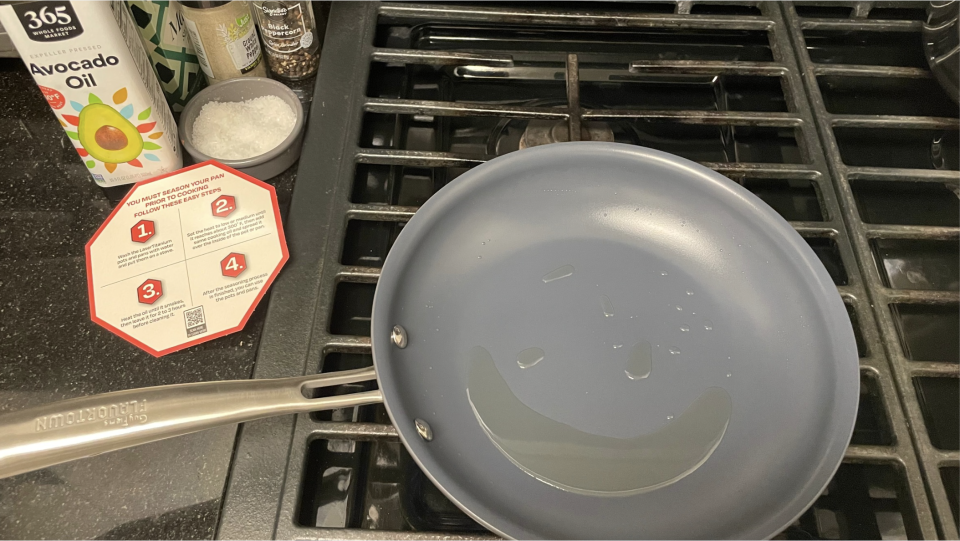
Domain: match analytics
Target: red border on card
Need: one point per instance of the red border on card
(253, 306)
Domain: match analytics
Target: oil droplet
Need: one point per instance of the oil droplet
(689, 293)
(484, 243)
(684, 328)
(664, 273)
(562, 272)
(640, 360)
(729, 374)
(669, 417)
(607, 305)
(708, 325)
(674, 351)
(529, 357)
(617, 346)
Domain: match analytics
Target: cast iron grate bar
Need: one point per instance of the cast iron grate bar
(572, 77)
(591, 18)
(893, 121)
(861, 25)
(856, 70)
(340, 534)
(708, 67)
(447, 108)
(901, 174)
(417, 158)
(438, 58)
(916, 232)
(707, 118)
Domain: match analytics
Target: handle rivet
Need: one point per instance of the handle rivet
(423, 429)
(399, 336)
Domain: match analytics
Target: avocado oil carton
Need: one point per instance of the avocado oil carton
(87, 59)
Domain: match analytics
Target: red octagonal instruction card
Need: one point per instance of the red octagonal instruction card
(185, 257)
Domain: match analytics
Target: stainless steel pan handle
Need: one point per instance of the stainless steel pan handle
(62, 431)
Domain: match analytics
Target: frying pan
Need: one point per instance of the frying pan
(575, 340)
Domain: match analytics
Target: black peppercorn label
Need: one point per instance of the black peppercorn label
(284, 28)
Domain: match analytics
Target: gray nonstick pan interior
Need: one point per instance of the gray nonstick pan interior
(608, 341)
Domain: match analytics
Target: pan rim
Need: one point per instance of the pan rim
(840, 331)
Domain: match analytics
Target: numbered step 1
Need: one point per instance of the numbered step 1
(233, 265)
(223, 206)
(143, 231)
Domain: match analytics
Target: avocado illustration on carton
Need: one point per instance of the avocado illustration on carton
(87, 59)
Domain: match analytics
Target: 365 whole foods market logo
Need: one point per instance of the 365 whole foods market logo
(48, 20)
(108, 136)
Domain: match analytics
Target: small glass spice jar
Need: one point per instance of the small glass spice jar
(290, 38)
(225, 38)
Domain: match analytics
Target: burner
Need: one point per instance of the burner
(510, 134)
(544, 132)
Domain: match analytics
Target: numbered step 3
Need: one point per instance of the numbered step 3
(150, 291)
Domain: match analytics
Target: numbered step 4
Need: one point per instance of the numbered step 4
(233, 265)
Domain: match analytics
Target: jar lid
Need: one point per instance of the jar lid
(203, 4)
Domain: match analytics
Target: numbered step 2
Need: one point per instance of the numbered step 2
(143, 231)
(150, 291)
(223, 206)
(233, 264)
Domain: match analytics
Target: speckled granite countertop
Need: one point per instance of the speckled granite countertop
(50, 350)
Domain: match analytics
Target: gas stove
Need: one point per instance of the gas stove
(825, 110)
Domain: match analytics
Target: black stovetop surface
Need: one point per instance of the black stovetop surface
(403, 115)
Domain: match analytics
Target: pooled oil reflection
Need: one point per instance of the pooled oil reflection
(564, 457)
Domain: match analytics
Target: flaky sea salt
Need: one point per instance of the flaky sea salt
(244, 129)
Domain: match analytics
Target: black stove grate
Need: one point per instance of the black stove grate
(890, 136)
(410, 96)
